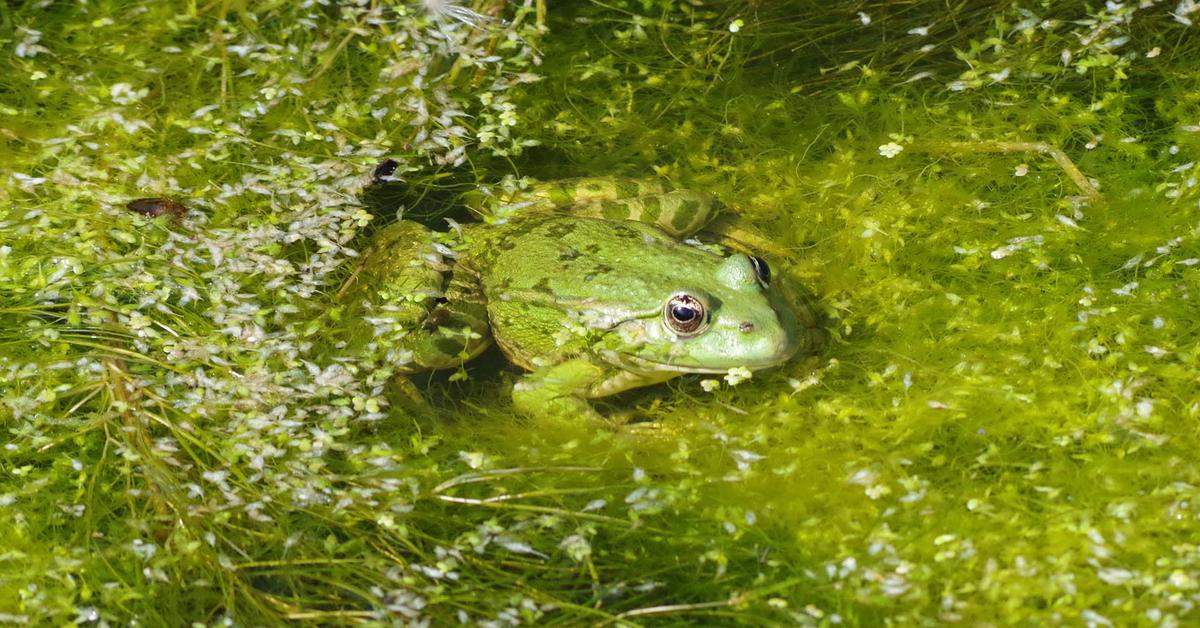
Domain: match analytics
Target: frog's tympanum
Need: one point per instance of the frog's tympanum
(586, 284)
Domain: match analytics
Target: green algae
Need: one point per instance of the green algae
(1002, 430)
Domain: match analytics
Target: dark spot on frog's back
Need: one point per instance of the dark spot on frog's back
(625, 231)
(569, 255)
(559, 230)
(600, 269)
(542, 286)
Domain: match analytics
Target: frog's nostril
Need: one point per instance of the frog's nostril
(746, 327)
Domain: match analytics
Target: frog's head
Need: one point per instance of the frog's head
(734, 319)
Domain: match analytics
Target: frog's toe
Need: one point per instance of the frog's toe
(624, 418)
(538, 400)
(407, 397)
(647, 428)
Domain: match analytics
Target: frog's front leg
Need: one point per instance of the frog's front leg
(561, 391)
(558, 391)
(411, 300)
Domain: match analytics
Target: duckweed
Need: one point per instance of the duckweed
(995, 205)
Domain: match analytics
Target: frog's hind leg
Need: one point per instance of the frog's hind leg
(678, 212)
(412, 302)
(730, 231)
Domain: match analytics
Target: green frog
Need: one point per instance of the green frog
(589, 284)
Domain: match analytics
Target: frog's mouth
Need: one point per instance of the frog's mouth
(646, 365)
(732, 350)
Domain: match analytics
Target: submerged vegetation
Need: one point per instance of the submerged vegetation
(1003, 428)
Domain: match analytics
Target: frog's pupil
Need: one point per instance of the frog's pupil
(683, 313)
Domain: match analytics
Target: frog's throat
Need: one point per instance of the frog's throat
(643, 365)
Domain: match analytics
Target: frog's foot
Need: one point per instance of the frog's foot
(559, 392)
(562, 391)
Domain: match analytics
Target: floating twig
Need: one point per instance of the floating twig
(993, 146)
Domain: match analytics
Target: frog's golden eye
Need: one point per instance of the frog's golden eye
(761, 269)
(685, 315)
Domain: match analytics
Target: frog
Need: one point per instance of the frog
(593, 286)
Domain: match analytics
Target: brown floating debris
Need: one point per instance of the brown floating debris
(154, 207)
(384, 170)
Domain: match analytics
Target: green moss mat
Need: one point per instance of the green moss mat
(1003, 429)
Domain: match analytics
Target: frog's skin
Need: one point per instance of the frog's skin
(586, 284)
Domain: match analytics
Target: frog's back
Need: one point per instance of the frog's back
(568, 258)
(541, 275)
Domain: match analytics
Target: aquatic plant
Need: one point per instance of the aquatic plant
(1002, 430)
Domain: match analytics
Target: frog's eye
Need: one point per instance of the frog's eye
(761, 269)
(685, 315)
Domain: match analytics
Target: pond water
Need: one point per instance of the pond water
(994, 206)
